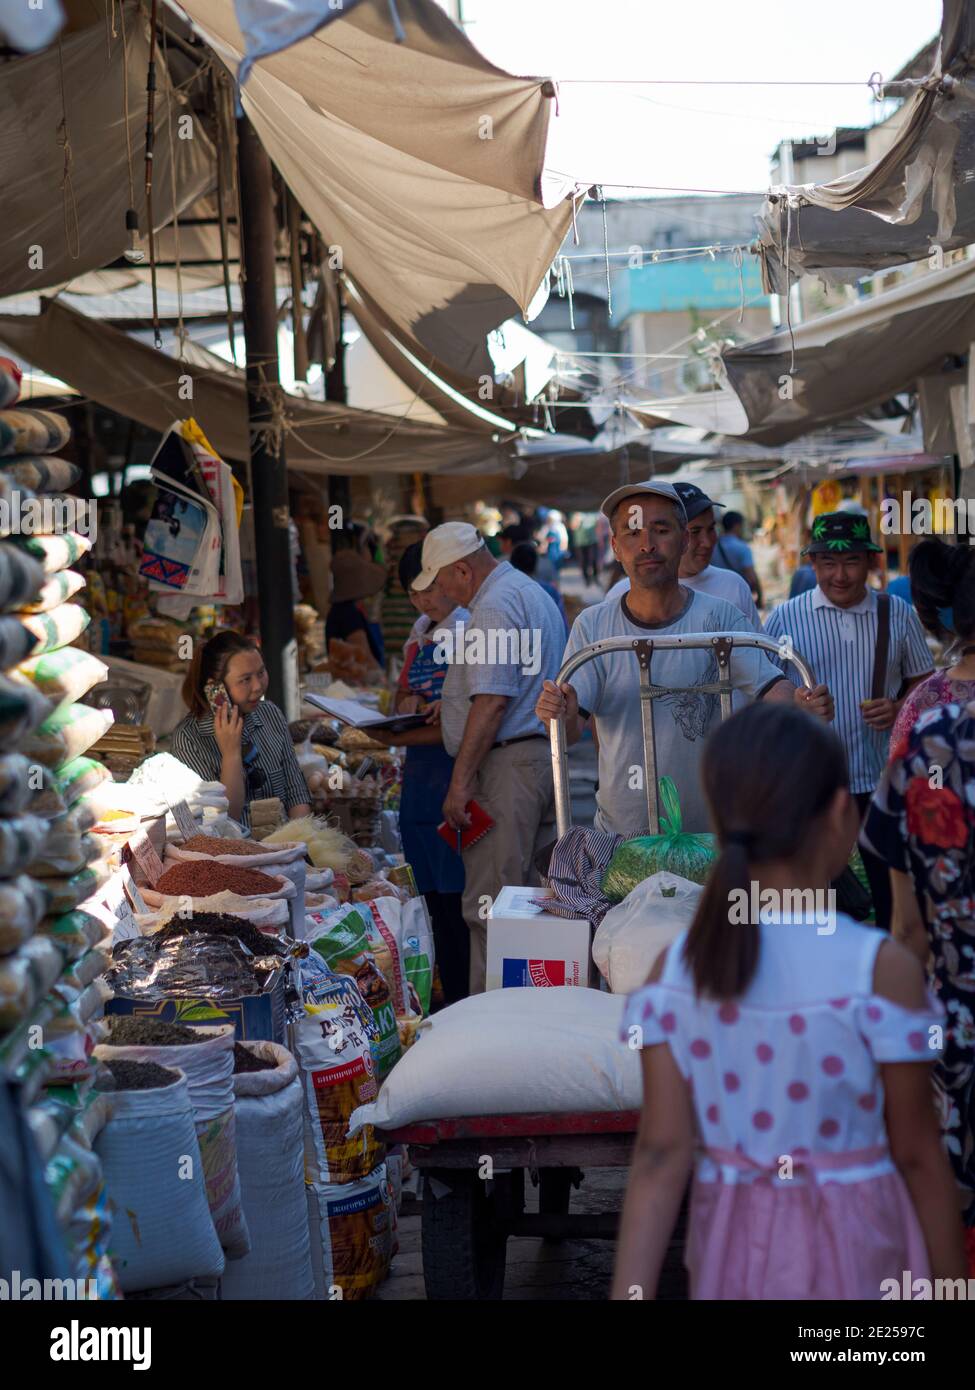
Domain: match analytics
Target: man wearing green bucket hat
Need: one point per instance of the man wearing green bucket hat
(867, 647)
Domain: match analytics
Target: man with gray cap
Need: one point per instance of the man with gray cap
(512, 642)
(649, 537)
(696, 570)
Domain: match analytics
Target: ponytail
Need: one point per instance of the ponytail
(763, 802)
(723, 958)
(943, 576)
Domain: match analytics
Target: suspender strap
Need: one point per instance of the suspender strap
(878, 687)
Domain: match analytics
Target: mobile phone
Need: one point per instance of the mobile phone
(216, 695)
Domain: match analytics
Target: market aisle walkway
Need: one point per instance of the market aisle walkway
(539, 1270)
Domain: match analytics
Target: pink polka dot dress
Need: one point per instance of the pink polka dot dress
(795, 1195)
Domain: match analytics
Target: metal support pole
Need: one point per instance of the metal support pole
(269, 474)
(336, 389)
(644, 655)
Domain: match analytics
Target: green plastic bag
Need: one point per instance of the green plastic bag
(689, 856)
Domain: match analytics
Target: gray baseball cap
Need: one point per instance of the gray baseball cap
(652, 486)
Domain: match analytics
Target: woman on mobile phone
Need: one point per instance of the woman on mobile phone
(232, 734)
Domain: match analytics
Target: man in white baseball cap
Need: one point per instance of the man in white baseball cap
(649, 538)
(512, 642)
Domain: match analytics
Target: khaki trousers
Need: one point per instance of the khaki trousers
(514, 786)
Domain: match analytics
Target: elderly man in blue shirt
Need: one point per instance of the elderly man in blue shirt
(511, 644)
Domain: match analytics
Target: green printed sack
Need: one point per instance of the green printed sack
(674, 850)
(66, 674)
(344, 946)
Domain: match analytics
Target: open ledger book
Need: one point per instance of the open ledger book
(362, 717)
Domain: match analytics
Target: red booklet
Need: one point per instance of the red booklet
(480, 824)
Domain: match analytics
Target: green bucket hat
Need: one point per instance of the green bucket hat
(840, 533)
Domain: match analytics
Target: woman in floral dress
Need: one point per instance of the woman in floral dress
(922, 823)
(943, 592)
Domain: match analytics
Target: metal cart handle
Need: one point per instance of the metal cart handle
(643, 648)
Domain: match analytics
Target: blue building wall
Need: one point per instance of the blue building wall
(689, 284)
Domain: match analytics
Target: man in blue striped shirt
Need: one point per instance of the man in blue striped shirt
(834, 627)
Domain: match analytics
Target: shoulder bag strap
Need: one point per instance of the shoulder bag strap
(878, 687)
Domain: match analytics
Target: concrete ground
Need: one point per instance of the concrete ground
(540, 1270)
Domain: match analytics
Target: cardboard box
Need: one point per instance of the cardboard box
(527, 946)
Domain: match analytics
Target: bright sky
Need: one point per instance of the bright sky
(705, 137)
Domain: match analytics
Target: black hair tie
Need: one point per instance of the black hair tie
(744, 838)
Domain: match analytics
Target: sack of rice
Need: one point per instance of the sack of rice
(55, 591)
(55, 552)
(42, 472)
(16, 642)
(21, 577)
(69, 731)
(32, 432)
(16, 792)
(21, 709)
(54, 629)
(21, 837)
(67, 674)
(513, 1051)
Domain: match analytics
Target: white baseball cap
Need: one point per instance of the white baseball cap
(658, 489)
(454, 540)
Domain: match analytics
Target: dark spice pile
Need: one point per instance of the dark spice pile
(245, 1060)
(221, 924)
(219, 844)
(131, 1030)
(138, 1076)
(200, 877)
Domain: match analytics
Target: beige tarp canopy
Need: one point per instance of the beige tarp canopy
(853, 359)
(420, 160)
(920, 193)
(144, 384)
(74, 209)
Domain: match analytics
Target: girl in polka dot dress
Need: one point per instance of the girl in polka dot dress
(786, 1060)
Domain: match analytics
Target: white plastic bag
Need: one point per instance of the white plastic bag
(634, 932)
(512, 1051)
(162, 1232)
(270, 1162)
(209, 1070)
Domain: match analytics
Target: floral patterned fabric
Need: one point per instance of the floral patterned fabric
(936, 690)
(922, 822)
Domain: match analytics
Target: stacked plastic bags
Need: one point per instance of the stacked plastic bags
(51, 960)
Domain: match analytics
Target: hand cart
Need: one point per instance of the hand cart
(721, 643)
(474, 1167)
(468, 1214)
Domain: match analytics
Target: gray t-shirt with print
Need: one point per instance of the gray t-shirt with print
(609, 688)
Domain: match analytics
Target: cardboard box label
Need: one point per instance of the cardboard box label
(539, 974)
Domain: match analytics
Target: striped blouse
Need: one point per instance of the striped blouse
(267, 730)
(839, 645)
